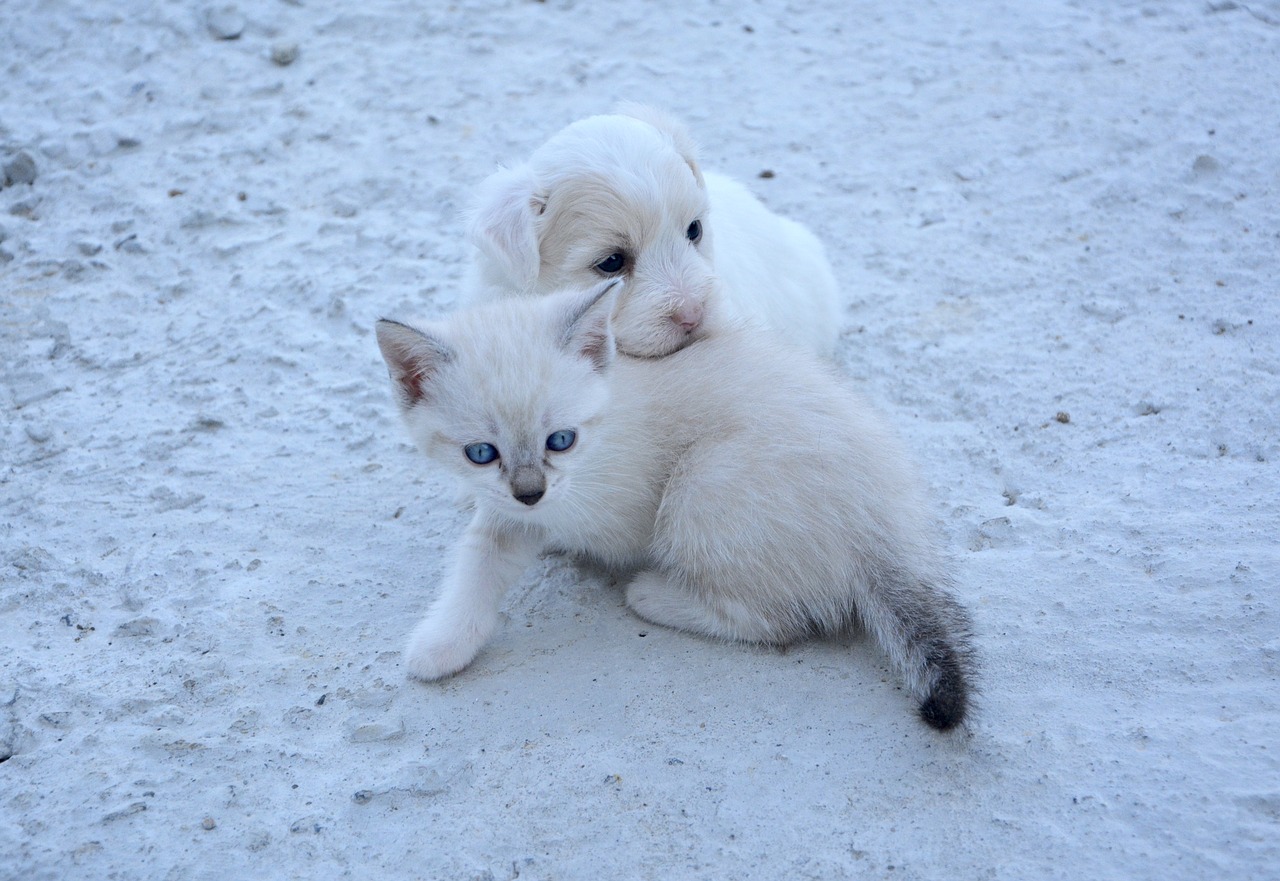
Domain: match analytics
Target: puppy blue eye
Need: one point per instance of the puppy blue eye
(561, 440)
(695, 231)
(611, 264)
(481, 454)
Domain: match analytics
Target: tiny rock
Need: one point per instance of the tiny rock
(284, 54)
(1205, 164)
(225, 23)
(20, 170)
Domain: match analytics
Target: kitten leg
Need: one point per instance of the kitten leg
(662, 599)
(465, 613)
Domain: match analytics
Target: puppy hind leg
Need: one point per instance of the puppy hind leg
(663, 599)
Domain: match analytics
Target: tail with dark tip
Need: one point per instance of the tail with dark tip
(927, 635)
(947, 703)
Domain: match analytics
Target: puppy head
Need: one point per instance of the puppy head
(609, 197)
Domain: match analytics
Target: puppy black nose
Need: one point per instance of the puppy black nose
(530, 498)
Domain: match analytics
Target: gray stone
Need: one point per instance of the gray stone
(1205, 164)
(25, 208)
(225, 23)
(284, 54)
(20, 170)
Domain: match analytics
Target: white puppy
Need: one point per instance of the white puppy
(623, 196)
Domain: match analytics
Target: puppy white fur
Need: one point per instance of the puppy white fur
(623, 196)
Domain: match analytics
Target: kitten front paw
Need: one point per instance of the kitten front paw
(434, 652)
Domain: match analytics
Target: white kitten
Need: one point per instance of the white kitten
(623, 196)
(755, 496)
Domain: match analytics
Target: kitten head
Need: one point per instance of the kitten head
(617, 196)
(506, 396)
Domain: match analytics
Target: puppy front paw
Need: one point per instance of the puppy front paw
(435, 652)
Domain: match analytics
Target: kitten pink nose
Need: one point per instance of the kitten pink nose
(688, 317)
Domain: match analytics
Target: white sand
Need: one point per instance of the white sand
(214, 536)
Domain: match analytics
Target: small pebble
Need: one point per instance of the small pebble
(1063, 416)
(1205, 164)
(226, 23)
(284, 54)
(363, 796)
(208, 823)
(20, 170)
(25, 208)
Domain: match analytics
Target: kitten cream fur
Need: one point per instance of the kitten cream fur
(630, 184)
(782, 509)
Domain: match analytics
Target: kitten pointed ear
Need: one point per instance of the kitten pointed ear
(502, 223)
(588, 329)
(669, 126)
(413, 360)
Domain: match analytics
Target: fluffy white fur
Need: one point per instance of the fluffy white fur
(630, 185)
(783, 508)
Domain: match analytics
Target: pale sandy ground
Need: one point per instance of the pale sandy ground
(214, 536)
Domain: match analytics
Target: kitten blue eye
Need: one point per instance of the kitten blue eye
(612, 264)
(561, 440)
(481, 454)
(694, 232)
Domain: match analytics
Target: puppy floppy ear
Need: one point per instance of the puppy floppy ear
(413, 361)
(670, 127)
(502, 223)
(588, 324)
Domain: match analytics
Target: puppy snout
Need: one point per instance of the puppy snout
(688, 315)
(528, 485)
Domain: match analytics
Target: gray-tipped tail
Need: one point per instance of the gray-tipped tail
(926, 634)
(948, 700)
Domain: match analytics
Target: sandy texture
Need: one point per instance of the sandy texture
(1057, 227)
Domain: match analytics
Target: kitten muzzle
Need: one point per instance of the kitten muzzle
(528, 485)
